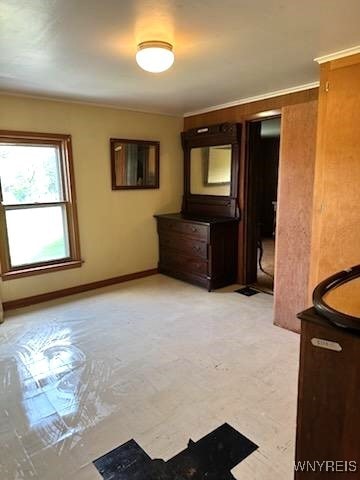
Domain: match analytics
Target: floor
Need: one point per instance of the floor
(265, 276)
(155, 360)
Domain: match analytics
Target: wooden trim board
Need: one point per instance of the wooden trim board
(44, 297)
(256, 98)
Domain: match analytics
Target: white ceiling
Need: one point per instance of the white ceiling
(225, 49)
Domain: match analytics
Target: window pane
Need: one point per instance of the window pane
(30, 174)
(37, 235)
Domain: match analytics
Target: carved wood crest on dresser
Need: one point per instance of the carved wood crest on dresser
(199, 244)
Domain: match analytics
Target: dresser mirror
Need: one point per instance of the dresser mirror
(345, 298)
(338, 298)
(134, 164)
(210, 170)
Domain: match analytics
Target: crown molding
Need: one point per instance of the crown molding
(242, 101)
(86, 103)
(336, 55)
(256, 98)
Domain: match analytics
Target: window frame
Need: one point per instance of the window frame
(64, 144)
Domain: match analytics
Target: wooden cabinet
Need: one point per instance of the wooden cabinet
(328, 423)
(200, 251)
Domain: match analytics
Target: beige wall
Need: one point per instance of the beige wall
(117, 229)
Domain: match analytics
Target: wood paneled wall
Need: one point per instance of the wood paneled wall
(240, 113)
(336, 219)
(294, 215)
(297, 153)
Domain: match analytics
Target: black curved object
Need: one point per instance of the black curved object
(340, 319)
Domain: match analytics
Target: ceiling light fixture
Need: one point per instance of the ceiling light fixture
(155, 56)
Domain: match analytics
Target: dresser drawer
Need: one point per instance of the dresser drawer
(184, 243)
(171, 259)
(193, 230)
(202, 251)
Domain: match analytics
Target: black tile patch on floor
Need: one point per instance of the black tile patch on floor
(247, 291)
(211, 458)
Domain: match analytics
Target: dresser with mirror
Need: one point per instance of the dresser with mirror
(199, 244)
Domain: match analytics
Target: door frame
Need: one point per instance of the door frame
(248, 231)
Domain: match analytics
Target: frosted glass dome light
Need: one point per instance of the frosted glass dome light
(154, 56)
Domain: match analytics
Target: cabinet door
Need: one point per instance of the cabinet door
(329, 394)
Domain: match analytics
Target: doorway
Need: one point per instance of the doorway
(263, 145)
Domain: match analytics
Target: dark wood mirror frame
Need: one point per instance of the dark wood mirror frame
(113, 143)
(340, 319)
(212, 205)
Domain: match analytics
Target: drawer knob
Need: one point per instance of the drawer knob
(196, 247)
(193, 229)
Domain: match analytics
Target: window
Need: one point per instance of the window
(38, 220)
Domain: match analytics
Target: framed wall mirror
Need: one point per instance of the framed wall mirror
(211, 170)
(134, 164)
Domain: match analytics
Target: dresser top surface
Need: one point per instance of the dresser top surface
(180, 217)
(312, 316)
